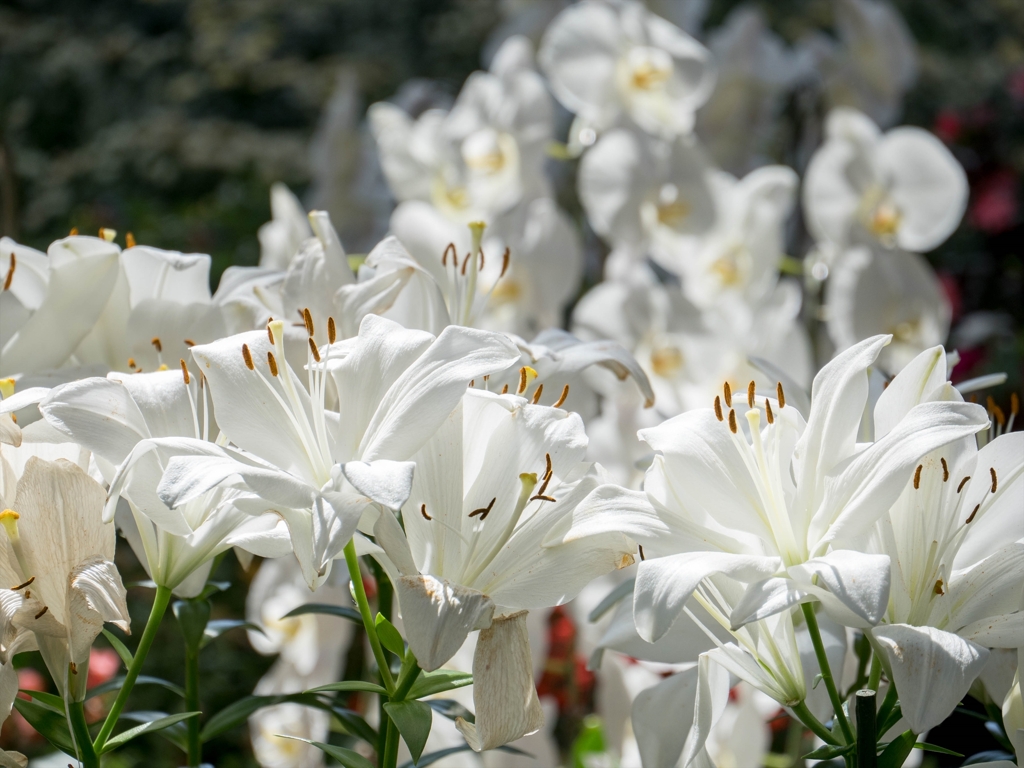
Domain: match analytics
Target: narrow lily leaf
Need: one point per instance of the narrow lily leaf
(413, 719)
(117, 645)
(116, 683)
(49, 700)
(350, 685)
(341, 611)
(611, 600)
(152, 725)
(49, 724)
(923, 745)
(433, 757)
(238, 712)
(451, 709)
(218, 627)
(390, 637)
(828, 751)
(175, 733)
(894, 755)
(355, 724)
(346, 757)
(438, 681)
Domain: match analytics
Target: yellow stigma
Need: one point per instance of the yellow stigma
(6, 387)
(526, 377)
(108, 234)
(885, 220)
(9, 520)
(671, 214)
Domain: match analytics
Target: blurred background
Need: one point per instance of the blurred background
(172, 118)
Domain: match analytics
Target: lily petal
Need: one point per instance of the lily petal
(438, 616)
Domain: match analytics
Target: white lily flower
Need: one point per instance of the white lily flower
(491, 485)
(774, 506)
(319, 469)
(900, 189)
(609, 60)
(59, 553)
(49, 303)
(283, 236)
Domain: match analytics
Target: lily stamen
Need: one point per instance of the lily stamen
(718, 409)
(10, 272)
(780, 395)
(423, 511)
(963, 483)
(307, 319)
(561, 397)
(272, 363)
(537, 394)
(750, 395)
(945, 470)
(917, 477)
(247, 356)
(483, 511)
(23, 585)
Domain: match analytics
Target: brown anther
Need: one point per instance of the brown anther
(945, 470)
(938, 589)
(42, 612)
(998, 415)
(522, 381)
(547, 465)
(995, 480)
(131, 363)
(1014, 404)
(332, 331)
(129, 240)
(307, 318)
(465, 262)
(487, 378)
(540, 497)
(272, 362)
(561, 397)
(74, 668)
(768, 411)
(472, 383)
(73, 232)
(504, 262)
(22, 586)
(750, 395)
(270, 335)
(247, 356)
(641, 548)
(184, 372)
(483, 511)
(780, 395)
(313, 350)
(732, 421)
(155, 341)
(189, 343)
(962, 484)
(504, 389)
(10, 272)
(727, 390)
(718, 408)
(973, 513)
(444, 256)
(537, 393)
(917, 476)
(423, 511)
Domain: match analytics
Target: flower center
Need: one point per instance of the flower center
(649, 68)
(667, 361)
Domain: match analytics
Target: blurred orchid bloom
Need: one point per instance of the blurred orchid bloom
(134, 424)
(773, 507)
(900, 189)
(955, 538)
(871, 290)
(320, 469)
(485, 155)
(50, 302)
(643, 194)
(606, 61)
(59, 553)
(491, 485)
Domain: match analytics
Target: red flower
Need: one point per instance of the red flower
(995, 202)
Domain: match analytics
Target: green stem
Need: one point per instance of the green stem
(86, 751)
(876, 673)
(888, 703)
(405, 682)
(390, 756)
(826, 672)
(867, 738)
(352, 560)
(156, 614)
(195, 746)
(805, 716)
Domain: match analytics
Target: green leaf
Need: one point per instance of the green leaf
(51, 725)
(117, 682)
(894, 755)
(389, 637)
(48, 700)
(433, 757)
(193, 616)
(828, 751)
(237, 713)
(152, 725)
(350, 685)
(176, 733)
(611, 600)
(935, 748)
(355, 724)
(451, 709)
(341, 611)
(117, 645)
(346, 757)
(218, 627)
(438, 681)
(413, 719)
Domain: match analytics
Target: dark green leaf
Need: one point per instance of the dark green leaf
(176, 733)
(148, 727)
(212, 588)
(894, 755)
(48, 700)
(346, 757)
(218, 627)
(237, 713)
(451, 709)
(350, 685)
(828, 751)
(933, 748)
(433, 757)
(355, 724)
(341, 611)
(193, 616)
(51, 725)
(611, 599)
(389, 637)
(117, 682)
(438, 681)
(413, 719)
(989, 756)
(117, 645)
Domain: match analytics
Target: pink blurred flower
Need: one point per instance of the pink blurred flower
(948, 125)
(995, 202)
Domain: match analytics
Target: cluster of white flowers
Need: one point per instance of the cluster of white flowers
(786, 522)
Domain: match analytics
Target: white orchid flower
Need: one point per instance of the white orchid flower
(610, 60)
(134, 424)
(317, 468)
(282, 236)
(57, 553)
(643, 194)
(50, 302)
(775, 506)
(873, 291)
(955, 538)
(491, 485)
(900, 189)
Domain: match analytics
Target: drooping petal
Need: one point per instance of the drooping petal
(911, 386)
(384, 482)
(932, 670)
(660, 718)
(438, 616)
(858, 582)
(712, 695)
(96, 595)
